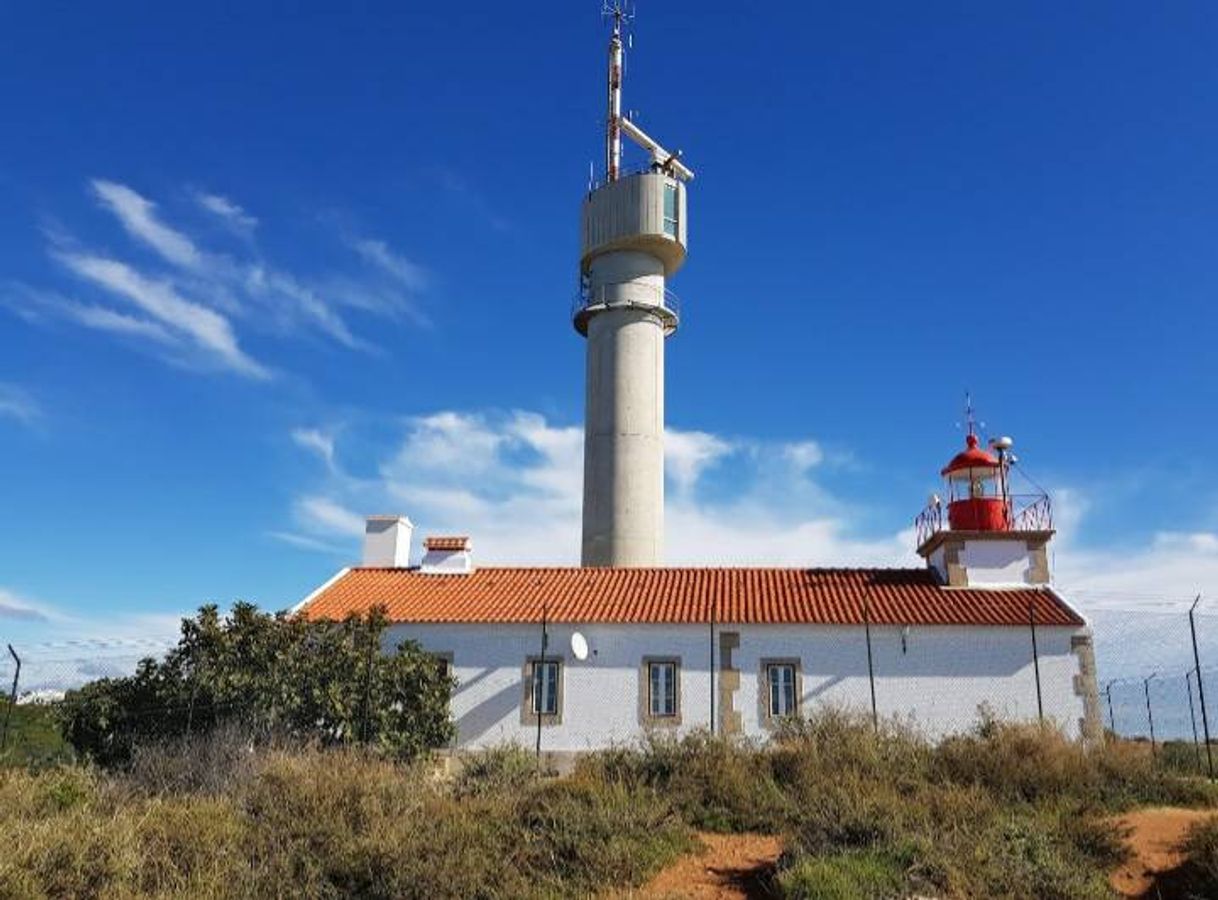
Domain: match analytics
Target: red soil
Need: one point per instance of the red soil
(1155, 837)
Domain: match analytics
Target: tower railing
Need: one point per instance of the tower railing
(1027, 512)
(587, 298)
(649, 167)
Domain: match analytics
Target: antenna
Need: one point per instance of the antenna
(613, 121)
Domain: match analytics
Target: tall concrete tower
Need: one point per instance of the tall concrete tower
(633, 240)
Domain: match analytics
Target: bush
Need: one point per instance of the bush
(316, 680)
(843, 876)
(506, 768)
(715, 783)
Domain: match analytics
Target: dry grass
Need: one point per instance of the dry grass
(1011, 811)
(332, 823)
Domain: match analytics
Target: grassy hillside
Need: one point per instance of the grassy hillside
(1012, 811)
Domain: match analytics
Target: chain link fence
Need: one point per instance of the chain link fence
(1157, 685)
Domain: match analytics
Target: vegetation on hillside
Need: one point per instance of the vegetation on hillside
(1009, 811)
(271, 674)
(33, 736)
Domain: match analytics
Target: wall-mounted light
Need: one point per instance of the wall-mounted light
(905, 639)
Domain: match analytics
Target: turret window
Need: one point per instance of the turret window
(670, 209)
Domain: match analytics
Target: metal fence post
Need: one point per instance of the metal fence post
(712, 665)
(1111, 717)
(1150, 715)
(538, 691)
(875, 715)
(1205, 721)
(367, 705)
(1192, 714)
(12, 699)
(1040, 703)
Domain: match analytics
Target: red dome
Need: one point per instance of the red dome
(972, 458)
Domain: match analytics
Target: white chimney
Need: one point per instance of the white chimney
(387, 542)
(447, 556)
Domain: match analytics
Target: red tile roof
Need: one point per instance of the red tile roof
(439, 542)
(738, 595)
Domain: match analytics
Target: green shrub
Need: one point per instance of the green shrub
(506, 768)
(270, 674)
(715, 783)
(843, 876)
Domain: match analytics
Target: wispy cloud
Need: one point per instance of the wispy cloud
(138, 217)
(377, 253)
(17, 403)
(190, 310)
(320, 442)
(13, 606)
(229, 212)
(329, 516)
(208, 330)
(467, 195)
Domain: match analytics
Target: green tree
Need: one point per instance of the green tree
(324, 681)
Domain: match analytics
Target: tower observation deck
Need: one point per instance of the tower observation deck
(634, 239)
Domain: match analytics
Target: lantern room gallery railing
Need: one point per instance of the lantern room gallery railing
(1027, 512)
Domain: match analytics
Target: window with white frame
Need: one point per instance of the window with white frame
(662, 692)
(783, 699)
(545, 687)
(670, 209)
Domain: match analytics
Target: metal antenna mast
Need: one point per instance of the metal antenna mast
(613, 122)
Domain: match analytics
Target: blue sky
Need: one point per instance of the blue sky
(265, 271)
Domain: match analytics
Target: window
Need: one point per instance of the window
(662, 678)
(781, 680)
(545, 687)
(670, 209)
(660, 691)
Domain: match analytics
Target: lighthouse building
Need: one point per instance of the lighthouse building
(578, 658)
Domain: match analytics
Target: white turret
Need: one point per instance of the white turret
(633, 239)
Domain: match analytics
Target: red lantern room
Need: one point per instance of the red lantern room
(976, 490)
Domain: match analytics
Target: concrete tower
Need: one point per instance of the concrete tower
(633, 240)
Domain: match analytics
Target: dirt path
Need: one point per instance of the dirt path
(1155, 838)
(731, 867)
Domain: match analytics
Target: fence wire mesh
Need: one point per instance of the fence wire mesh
(1150, 687)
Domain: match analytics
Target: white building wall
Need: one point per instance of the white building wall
(938, 681)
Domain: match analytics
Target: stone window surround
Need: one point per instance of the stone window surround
(527, 716)
(645, 716)
(763, 688)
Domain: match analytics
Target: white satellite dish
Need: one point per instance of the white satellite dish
(579, 646)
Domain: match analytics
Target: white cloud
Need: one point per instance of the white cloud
(688, 453)
(377, 252)
(138, 216)
(194, 307)
(306, 304)
(514, 481)
(210, 331)
(232, 214)
(320, 442)
(14, 606)
(17, 403)
(804, 454)
(327, 516)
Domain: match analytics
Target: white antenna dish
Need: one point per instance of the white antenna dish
(1002, 443)
(579, 646)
